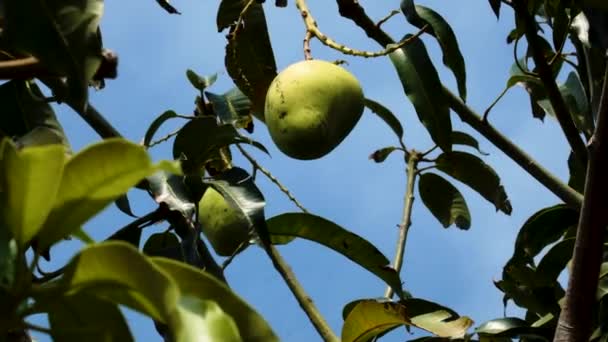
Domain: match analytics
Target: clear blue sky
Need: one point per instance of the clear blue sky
(454, 268)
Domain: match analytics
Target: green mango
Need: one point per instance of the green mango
(311, 106)
(225, 227)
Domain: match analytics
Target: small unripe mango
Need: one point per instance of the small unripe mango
(225, 227)
(311, 106)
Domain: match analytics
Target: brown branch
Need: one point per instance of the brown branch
(23, 68)
(577, 315)
(352, 10)
(306, 43)
(562, 114)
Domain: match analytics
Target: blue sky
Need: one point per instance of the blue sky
(454, 268)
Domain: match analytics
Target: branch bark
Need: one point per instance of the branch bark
(576, 317)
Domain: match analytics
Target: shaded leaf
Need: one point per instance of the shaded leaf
(194, 283)
(232, 107)
(164, 4)
(511, 327)
(170, 189)
(165, 245)
(461, 138)
(249, 57)
(123, 204)
(228, 13)
(200, 82)
(555, 261)
(201, 137)
(386, 115)
(29, 184)
(8, 258)
(495, 4)
(329, 234)
(93, 179)
(444, 201)
(423, 87)
(578, 173)
(380, 155)
(543, 228)
(473, 172)
(83, 317)
(155, 125)
(63, 35)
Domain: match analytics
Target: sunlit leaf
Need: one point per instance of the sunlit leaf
(92, 179)
(200, 82)
(444, 201)
(329, 234)
(473, 172)
(29, 184)
(194, 283)
(422, 85)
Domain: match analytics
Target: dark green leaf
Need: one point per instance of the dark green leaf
(164, 244)
(63, 35)
(423, 87)
(232, 107)
(123, 204)
(92, 179)
(171, 190)
(543, 228)
(130, 233)
(444, 201)
(83, 317)
(329, 234)
(461, 138)
(200, 82)
(578, 173)
(30, 184)
(201, 137)
(239, 190)
(495, 4)
(561, 27)
(194, 283)
(229, 12)
(155, 125)
(386, 115)
(556, 259)
(511, 327)
(249, 58)
(380, 155)
(452, 57)
(473, 172)
(164, 4)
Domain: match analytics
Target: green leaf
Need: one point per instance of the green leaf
(386, 115)
(27, 116)
(249, 57)
(201, 285)
(232, 107)
(452, 57)
(200, 82)
(63, 35)
(511, 327)
(444, 201)
(83, 317)
(555, 261)
(200, 320)
(165, 245)
(543, 228)
(201, 137)
(155, 125)
(578, 174)
(473, 172)
(370, 318)
(29, 184)
(164, 4)
(228, 13)
(380, 155)
(92, 179)
(495, 4)
(422, 86)
(329, 234)
(171, 190)
(461, 138)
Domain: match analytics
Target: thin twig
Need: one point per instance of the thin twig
(163, 139)
(385, 19)
(272, 178)
(311, 26)
(404, 227)
(577, 315)
(306, 43)
(302, 297)
(351, 9)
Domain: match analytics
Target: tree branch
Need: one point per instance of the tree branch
(352, 10)
(23, 68)
(404, 226)
(562, 114)
(576, 317)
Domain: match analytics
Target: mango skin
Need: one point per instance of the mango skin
(224, 226)
(310, 108)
